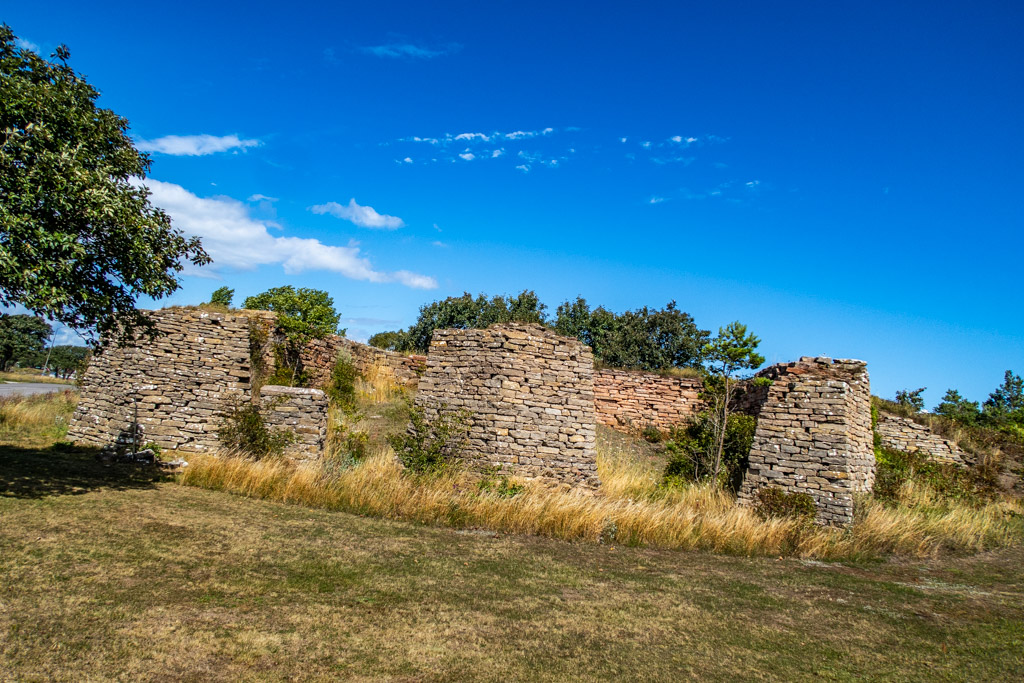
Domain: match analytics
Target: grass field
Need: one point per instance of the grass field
(108, 572)
(119, 572)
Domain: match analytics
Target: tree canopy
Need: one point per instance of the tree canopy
(302, 313)
(22, 337)
(79, 240)
(222, 296)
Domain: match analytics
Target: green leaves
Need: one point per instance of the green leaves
(302, 314)
(732, 350)
(79, 240)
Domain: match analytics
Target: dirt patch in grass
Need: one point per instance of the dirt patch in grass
(141, 579)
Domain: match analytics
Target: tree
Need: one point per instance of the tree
(389, 341)
(222, 296)
(957, 408)
(79, 240)
(22, 337)
(725, 357)
(465, 312)
(645, 339)
(302, 314)
(66, 360)
(911, 399)
(1007, 401)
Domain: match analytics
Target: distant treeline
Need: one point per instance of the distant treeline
(645, 338)
(23, 344)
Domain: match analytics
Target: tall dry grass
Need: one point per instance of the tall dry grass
(39, 418)
(377, 384)
(625, 513)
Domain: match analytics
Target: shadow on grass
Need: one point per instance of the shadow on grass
(55, 471)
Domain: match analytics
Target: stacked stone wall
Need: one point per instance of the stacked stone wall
(301, 412)
(814, 436)
(531, 396)
(903, 434)
(319, 355)
(630, 401)
(175, 388)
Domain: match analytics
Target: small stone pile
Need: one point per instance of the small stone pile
(633, 400)
(531, 396)
(303, 412)
(814, 436)
(903, 434)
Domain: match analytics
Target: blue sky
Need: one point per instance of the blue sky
(845, 178)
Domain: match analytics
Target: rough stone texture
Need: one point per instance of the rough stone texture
(629, 401)
(319, 356)
(814, 436)
(531, 395)
(303, 412)
(903, 434)
(177, 385)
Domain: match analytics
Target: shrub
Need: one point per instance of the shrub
(502, 486)
(341, 387)
(245, 430)
(691, 450)
(652, 434)
(431, 445)
(949, 482)
(773, 502)
(346, 448)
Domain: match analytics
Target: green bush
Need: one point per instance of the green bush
(691, 450)
(773, 502)
(341, 387)
(652, 434)
(951, 482)
(431, 445)
(346, 448)
(495, 483)
(245, 430)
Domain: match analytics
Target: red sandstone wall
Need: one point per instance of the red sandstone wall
(633, 400)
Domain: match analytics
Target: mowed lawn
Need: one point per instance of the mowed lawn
(110, 572)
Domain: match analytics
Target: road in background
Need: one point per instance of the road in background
(30, 388)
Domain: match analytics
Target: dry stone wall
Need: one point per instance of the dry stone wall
(319, 355)
(531, 396)
(629, 401)
(302, 412)
(174, 388)
(814, 436)
(903, 434)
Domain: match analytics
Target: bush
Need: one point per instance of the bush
(974, 486)
(499, 485)
(245, 430)
(346, 448)
(691, 450)
(773, 502)
(341, 387)
(431, 445)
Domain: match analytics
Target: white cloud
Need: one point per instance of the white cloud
(645, 144)
(622, 139)
(520, 134)
(195, 145)
(407, 160)
(363, 216)
(473, 136)
(468, 156)
(235, 239)
(439, 243)
(399, 50)
(497, 153)
(523, 167)
(657, 200)
(27, 45)
(261, 198)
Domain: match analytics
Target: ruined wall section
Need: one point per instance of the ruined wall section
(178, 385)
(814, 436)
(301, 412)
(630, 401)
(903, 434)
(319, 355)
(531, 396)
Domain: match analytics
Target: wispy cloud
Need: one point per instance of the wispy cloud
(235, 239)
(657, 200)
(363, 216)
(27, 45)
(195, 145)
(260, 198)
(408, 51)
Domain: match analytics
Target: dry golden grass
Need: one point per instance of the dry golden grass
(630, 511)
(36, 420)
(377, 384)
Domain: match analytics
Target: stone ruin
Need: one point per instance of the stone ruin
(903, 434)
(531, 396)
(814, 436)
(534, 397)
